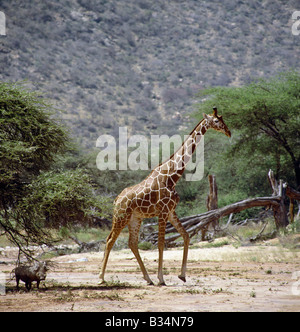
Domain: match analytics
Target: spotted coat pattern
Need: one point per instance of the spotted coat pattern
(156, 196)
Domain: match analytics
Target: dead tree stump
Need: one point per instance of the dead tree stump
(293, 195)
(279, 211)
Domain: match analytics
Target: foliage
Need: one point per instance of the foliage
(36, 194)
(265, 120)
(62, 199)
(29, 139)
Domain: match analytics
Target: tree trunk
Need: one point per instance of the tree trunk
(212, 198)
(279, 211)
(293, 195)
(211, 203)
(297, 173)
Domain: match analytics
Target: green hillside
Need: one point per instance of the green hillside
(139, 63)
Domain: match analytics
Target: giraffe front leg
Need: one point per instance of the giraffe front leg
(161, 245)
(181, 230)
(134, 227)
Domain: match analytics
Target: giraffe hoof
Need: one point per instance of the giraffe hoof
(150, 283)
(162, 284)
(182, 278)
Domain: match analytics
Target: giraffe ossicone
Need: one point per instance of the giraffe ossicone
(156, 196)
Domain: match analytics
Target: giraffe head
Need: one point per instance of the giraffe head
(216, 122)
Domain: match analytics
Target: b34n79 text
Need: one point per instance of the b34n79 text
(171, 321)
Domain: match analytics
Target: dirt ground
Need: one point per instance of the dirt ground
(262, 277)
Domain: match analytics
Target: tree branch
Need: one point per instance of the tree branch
(195, 223)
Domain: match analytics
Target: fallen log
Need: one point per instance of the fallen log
(193, 224)
(87, 246)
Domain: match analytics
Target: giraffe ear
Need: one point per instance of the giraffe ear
(205, 116)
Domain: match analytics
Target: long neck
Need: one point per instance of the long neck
(174, 167)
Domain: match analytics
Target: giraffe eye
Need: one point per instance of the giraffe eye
(216, 120)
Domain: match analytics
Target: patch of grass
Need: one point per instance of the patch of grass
(191, 291)
(205, 291)
(70, 296)
(91, 234)
(65, 296)
(290, 241)
(4, 241)
(116, 284)
(217, 244)
(212, 291)
(145, 245)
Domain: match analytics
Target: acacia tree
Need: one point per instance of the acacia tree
(265, 119)
(36, 197)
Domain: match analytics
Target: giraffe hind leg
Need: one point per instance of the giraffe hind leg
(110, 241)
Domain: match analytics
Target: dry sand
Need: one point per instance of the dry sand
(252, 278)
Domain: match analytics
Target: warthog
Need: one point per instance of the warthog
(29, 273)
